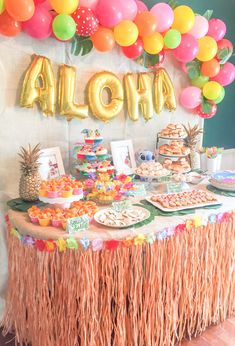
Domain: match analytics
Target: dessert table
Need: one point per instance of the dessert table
(149, 285)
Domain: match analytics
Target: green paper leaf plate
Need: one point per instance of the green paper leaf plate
(18, 204)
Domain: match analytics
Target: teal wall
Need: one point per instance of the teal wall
(220, 130)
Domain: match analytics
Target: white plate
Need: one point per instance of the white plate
(159, 206)
(164, 155)
(60, 200)
(146, 216)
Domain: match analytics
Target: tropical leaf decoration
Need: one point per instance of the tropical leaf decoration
(81, 45)
(148, 60)
(208, 14)
(194, 69)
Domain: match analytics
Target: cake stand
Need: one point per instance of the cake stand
(61, 202)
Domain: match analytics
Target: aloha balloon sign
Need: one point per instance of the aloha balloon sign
(197, 41)
(150, 92)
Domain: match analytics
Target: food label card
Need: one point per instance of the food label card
(77, 224)
(121, 206)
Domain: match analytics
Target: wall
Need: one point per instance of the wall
(219, 130)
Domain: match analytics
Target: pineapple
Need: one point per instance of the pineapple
(30, 179)
(192, 139)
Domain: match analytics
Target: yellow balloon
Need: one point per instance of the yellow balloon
(207, 48)
(141, 96)
(100, 109)
(64, 6)
(212, 90)
(164, 91)
(184, 19)
(39, 86)
(68, 107)
(126, 33)
(153, 44)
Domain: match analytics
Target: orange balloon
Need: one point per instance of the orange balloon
(20, 10)
(146, 23)
(103, 40)
(8, 25)
(210, 68)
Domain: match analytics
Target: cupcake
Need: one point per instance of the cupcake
(44, 219)
(101, 152)
(93, 138)
(67, 191)
(52, 192)
(89, 154)
(77, 188)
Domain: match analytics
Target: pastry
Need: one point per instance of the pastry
(175, 148)
(180, 166)
(152, 169)
(173, 131)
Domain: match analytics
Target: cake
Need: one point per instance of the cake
(224, 180)
(173, 131)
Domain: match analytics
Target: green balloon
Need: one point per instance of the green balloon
(200, 81)
(2, 6)
(64, 27)
(221, 97)
(172, 38)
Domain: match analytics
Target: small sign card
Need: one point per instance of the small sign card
(139, 191)
(77, 224)
(121, 206)
(174, 187)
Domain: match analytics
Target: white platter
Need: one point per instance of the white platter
(154, 176)
(159, 206)
(165, 155)
(173, 138)
(99, 213)
(64, 202)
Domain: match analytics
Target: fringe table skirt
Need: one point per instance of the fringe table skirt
(144, 295)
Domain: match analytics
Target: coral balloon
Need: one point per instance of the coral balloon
(153, 44)
(92, 4)
(184, 19)
(86, 21)
(103, 40)
(200, 28)
(2, 6)
(207, 48)
(20, 10)
(8, 25)
(40, 25)
(210, 68)
(217, 29)
(187, 50)
(191, 97)
(109, 13)
(129, 9)
(141, 7)
(66, 6)
(164, 15)
(172, 39)
(64, 27)
(146, 23)
(135, 50)
(126, 33)
(226, 75)
(224, 43)
(209, 115)
(212, 90)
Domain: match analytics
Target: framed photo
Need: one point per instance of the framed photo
(123, 156)
(51, 163)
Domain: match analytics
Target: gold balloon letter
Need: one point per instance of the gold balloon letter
(164, 91)
(39, 86)
(97, 84)
(141, 96)
(66, 94)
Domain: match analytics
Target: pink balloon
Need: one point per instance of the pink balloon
(129, 9)
(40, 25)
(187, 50)
(89, 4)
(191, 97)
(109, 13)
(141, 7)
(38, 1)
(164, 15)
(217, 29)
(200, 28)
(226, 75)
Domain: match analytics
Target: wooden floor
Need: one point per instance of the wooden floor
(222, 335)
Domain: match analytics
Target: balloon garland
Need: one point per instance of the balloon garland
(196, 41)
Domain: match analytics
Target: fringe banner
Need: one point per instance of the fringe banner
(144, 295)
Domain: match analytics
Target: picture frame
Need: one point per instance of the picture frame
(51, 163)
(123, 156)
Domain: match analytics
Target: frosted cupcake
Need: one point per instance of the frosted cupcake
(101, 152)
(93, 137)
